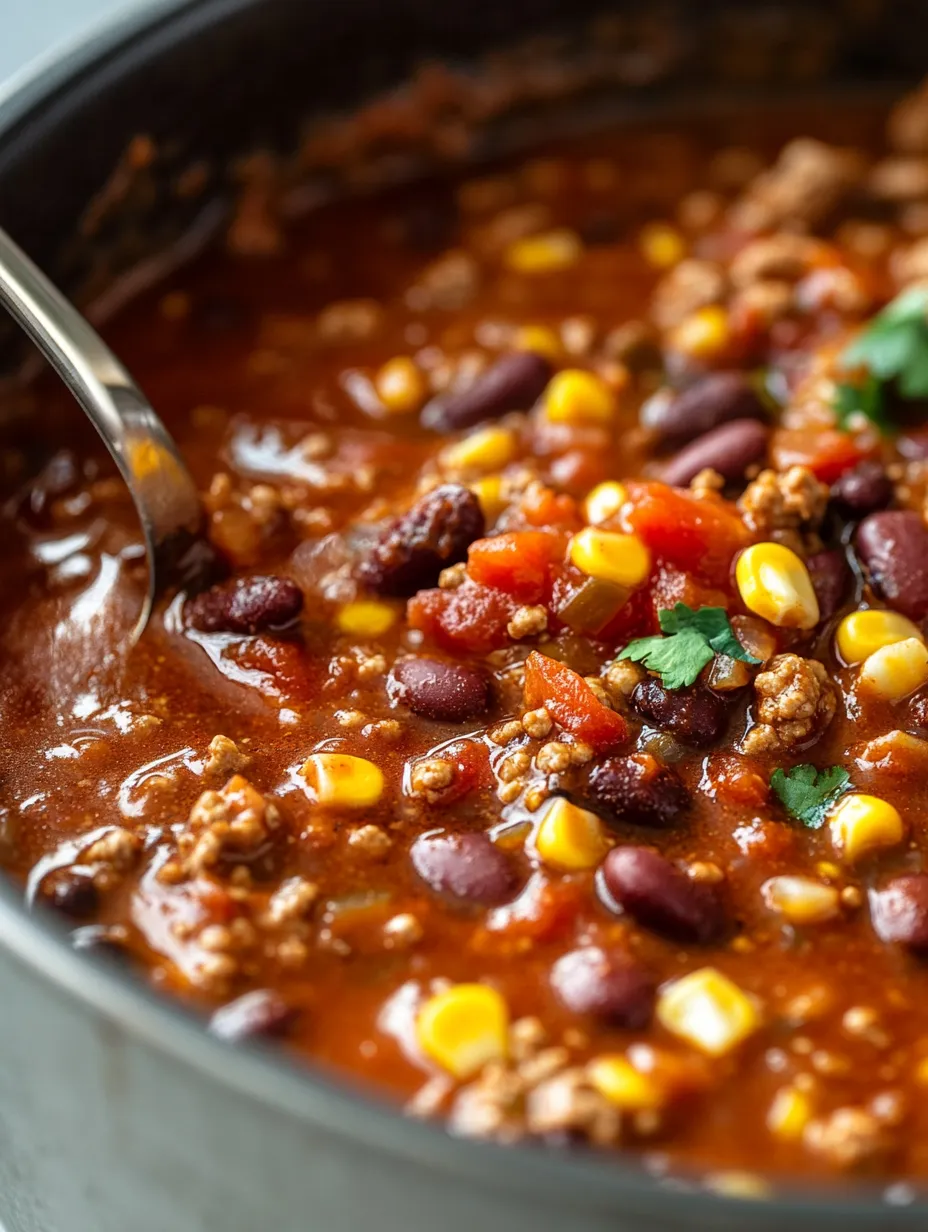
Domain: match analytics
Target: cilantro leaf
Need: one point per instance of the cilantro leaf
(892, 349)
(807, 793)
(693, 639)
(711, 622)
(866, 400)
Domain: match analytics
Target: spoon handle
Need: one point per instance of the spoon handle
(164, 493)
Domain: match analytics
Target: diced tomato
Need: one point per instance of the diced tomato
(472, 758)
(636, 618)
(515, 563)
(571, 702)
(545, 507)
(271, 665)
(699, 534)
(470, 617)
(732, 780)
(827, 452)
(670, 585)
(544, 910)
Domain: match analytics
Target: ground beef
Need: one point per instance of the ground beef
(795, 702)
(689, 286)
(804, 186)
(787, 507)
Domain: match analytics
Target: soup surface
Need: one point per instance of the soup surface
(553, 755)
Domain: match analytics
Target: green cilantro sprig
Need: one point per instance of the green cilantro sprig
(807, 793)
(892, 349)
(693, 639)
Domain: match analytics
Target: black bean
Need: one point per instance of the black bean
(864, 489)
(714, 400)
(894, 548)
(695, 715)
(638, 789)
(513, 383)
(607, 983)
(439, 689)
(899, 911)
(831, 579)
(661, 897)
(247, 605)
(255, 1015)
(466, 866)
(413, 549)
(729, 449)
(71, 892)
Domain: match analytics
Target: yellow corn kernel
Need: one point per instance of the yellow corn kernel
(789, 1114)
(744, 1185)
(542, 254)
(463, 1028)
(801, 900)
(569, 837)
(343, 781)
(775, 584)
(617, 1080)
(661, 245)
(895, 671)
(366, 618)
(707, 1010)
(703, 334)
(860, 824)
(604, 502)
(610, 556)
(489, 491)
(488, 449)
(862, 633)
(577, 396)
(400, 385)
(540, 339)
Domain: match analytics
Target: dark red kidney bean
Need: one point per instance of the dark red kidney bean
(638, 789)
(918, 710)
(70, 892)
(413, 549)
(899, 911)
(439, 689)
(259, 1014)
(247, 605)
(466, 866)
(695, 715)
(658, 895)
(607, 983)
(729, 449)
(864, 489)
(513, 383)
(831, 579)
(676, 419)
(894, 548)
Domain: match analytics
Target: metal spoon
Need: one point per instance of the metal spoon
(165, 495)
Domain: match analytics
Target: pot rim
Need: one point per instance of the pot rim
(261, 1072)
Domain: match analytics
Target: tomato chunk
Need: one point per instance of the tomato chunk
(515, 563)
(545, 507)
(470, 618)
(826, 452)
(699, 534)
(571, 702)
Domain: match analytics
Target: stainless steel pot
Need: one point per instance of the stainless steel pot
(118, 1113)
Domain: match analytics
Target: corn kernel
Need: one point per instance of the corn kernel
(744, 1185)
(862, 633)
(463, 1028)
(366, 618)
(895, 671)
(707, 1010)
(539, 339)
(569, 837)
(343, 781)
(489, 491)
(704, 334)
(801, 900)
(577, 396)
(661, 245)
(617, 1080)
(400, 385)
(543, 254)
(775, 584)
(789, 1114)
(610, 556)
(604, 502)
(488, 449)
(860, 824)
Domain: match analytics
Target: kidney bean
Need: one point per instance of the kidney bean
(465, 866)
(258, 1014)
(899, 911)
(695, 715)
(864, 489)
(658, 895)
(918, 710)
(831, 579)
(729, 449)
(607, 983)
(70, 892)
(247, 605)
(714, 400)
(513, 383)
(437, 689)
(638, 789)
(414, 548)
(894, 547)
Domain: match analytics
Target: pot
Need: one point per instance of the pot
(117, 1110)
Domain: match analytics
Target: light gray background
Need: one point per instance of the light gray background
(32, 27)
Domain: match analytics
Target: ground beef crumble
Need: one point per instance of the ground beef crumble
(795, 702)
